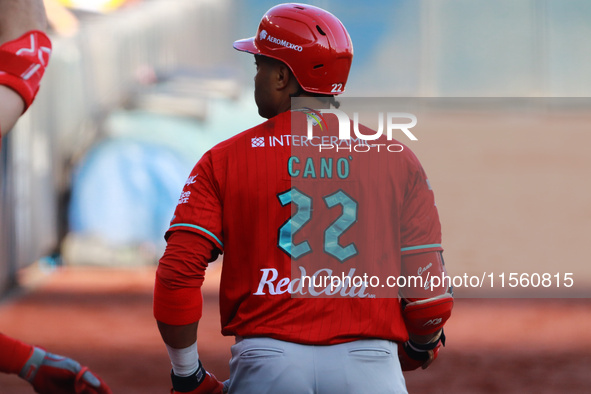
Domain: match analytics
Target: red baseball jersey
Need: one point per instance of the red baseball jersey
(292, 213)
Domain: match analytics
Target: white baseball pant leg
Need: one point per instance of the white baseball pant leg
(265, 365)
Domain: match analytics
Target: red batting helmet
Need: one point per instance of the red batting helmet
(312, 42)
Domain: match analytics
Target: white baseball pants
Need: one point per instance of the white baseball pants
(265, 365)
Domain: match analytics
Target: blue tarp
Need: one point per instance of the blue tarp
(125, 192)
(126, 188)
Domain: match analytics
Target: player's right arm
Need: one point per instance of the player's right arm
(24, 53)
(425, 308)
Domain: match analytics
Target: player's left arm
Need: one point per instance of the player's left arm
(194, 239)
(178, 303)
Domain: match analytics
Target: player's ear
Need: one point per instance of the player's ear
(283, 76)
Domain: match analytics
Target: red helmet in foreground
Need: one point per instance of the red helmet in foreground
(312, 42)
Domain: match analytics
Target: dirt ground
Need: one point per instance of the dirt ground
(102, 317)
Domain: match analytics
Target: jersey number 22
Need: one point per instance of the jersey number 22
(303, 215)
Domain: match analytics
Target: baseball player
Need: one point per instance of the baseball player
(24, 54)
(259, 203)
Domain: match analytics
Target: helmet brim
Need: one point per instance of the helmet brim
(246, 45)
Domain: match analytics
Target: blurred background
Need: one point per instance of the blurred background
(136, 91)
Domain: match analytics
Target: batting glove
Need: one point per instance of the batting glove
(413, 355)
(201, 382)
(53, 374)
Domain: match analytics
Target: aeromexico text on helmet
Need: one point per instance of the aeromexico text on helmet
(265, 36)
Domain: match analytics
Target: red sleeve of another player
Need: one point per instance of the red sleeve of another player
(199, 209)
(420, 226)
(23, 62)
(13, 354)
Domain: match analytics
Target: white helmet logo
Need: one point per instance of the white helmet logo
(263, 35)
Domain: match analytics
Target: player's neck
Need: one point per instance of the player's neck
(308, 101)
